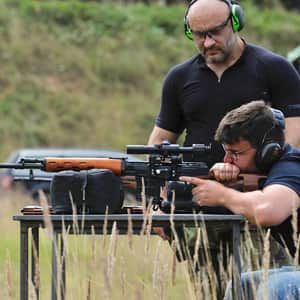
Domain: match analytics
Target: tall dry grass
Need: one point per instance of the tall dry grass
(113, 266)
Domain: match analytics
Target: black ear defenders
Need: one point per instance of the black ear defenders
(270, 150)
(236, 14)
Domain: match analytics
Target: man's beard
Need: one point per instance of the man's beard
(220, 57)
(222, 53)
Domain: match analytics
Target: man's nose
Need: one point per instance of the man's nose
(208, 41)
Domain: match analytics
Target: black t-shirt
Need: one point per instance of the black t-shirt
(286, 172)
(193, 98)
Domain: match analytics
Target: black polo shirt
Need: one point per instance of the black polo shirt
(195, 99)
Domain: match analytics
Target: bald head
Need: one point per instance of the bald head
(208, 13)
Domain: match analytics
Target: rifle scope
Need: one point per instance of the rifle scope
(168, 149)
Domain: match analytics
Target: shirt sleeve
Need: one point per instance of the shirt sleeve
(285, 86)
(285, 173)
(170, 116)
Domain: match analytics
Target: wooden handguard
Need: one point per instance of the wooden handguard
(55, 164)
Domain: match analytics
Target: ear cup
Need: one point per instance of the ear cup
(237, 17)
(267, 155)
(187, 30)
(279, 118)
(270, 151)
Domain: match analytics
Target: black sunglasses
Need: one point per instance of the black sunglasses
(212, 33)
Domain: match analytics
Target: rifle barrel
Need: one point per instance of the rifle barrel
(21, 166)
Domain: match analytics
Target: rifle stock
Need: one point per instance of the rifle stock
(249, 182)
(245, 182)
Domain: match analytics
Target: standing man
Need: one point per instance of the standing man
(227, 73)
(253, 139)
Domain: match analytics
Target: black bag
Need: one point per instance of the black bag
(90, 192)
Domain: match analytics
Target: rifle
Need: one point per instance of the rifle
(164, 164)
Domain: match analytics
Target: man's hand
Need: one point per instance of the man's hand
(224, 172)
(206, 192)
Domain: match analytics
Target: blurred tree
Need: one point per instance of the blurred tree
(291, 4)
(288, 4)
(148, 2)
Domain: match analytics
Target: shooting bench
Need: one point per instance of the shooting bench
(89, 224)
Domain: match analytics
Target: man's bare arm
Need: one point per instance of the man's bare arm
(292, 131)
(270, 206)
(158, 135)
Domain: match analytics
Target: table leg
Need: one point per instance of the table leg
(35, 260)
(63, 268)
(54, 285)
(236, 274)
(23, 261)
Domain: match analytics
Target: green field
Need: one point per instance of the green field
(73, 72)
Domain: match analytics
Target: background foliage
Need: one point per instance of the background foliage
(89, 73)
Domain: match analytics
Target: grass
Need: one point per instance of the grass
(136, 265)
(119, 266)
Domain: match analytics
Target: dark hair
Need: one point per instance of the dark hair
(254, 122)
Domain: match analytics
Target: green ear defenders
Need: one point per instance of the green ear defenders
(236, 13)
(270, 150)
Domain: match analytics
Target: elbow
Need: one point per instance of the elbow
(260, 218)
(264, 216)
